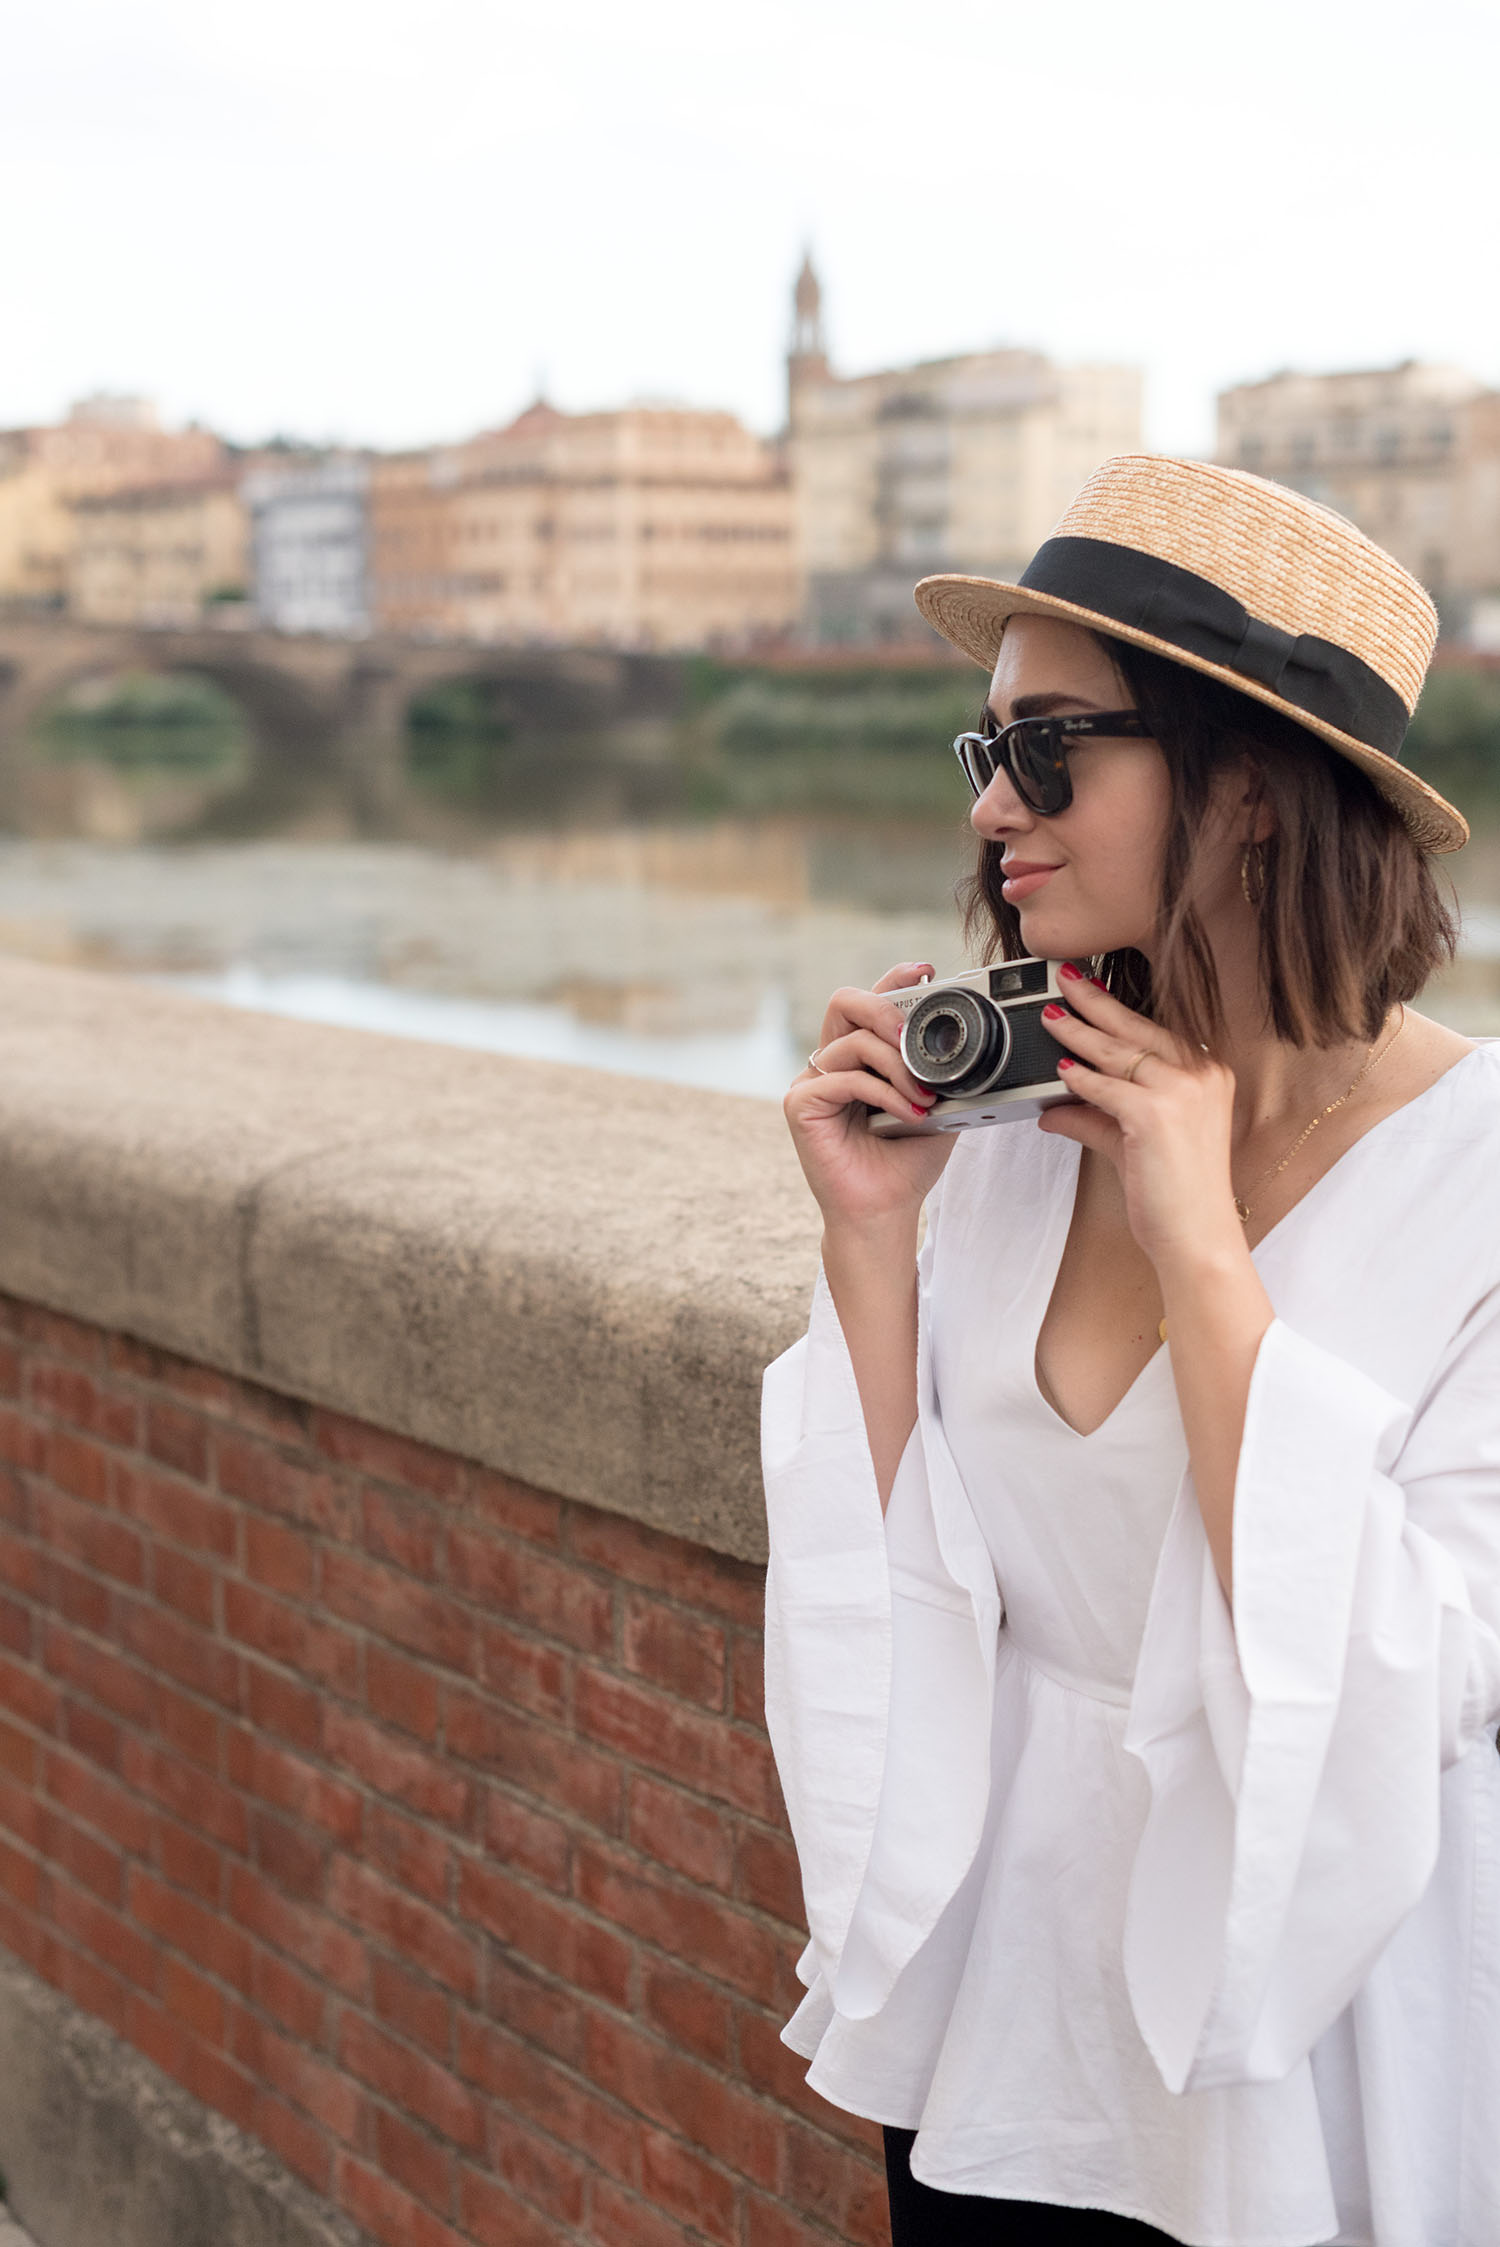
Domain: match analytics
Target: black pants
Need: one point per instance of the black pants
(921, 2217)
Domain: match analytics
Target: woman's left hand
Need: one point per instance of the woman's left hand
(1160, 1110)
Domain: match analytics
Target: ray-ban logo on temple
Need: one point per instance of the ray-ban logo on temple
(1034, 751)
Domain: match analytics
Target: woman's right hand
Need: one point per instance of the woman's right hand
(856, 1177)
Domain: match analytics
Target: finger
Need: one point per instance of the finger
(1089, 1127)
(853, 1009)
(1088, 998)
(903, 977)
(818, 1099)
(865, 1049)
(1101, 1048)
(1112, 1094)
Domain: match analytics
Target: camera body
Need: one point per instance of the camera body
(978, 1041)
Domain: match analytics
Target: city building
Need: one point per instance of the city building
(106, 445)
(647, 527)
(310, 544)
(158, 554)
(1409, 453)
(955, 464)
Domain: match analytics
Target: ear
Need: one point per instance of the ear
(1256, 815)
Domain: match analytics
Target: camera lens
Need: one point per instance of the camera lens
(955, 1042)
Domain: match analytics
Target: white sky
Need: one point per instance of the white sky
(381, 221)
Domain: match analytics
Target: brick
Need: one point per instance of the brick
(78, 1465)
(81, 1600)
(413, 1616)
(276, 1703)
(282, 1558)
(195, 1658)
(554, 1597)
(215, 2081)
(193, 1998)
(175, 1511)
(769, 2223)
(246, 1468)
(416, 2084)
(767, 1875)
(686, 2186)
(111, 1938)
(420, 2163)
(551, 2178)
(189, 1726)
(95, 1736)
(65, 1337)
(670, 2088)
(10, 1371)
(747, 1694)
(677, 1651)
(496, 2218)
(178, 1439)
(265, 1412)
(403, 1531)
(310, 1937)
(296, 1861)
(527, 1671)
(102, 1676)
(769, 2067)
(292, 2001)
(190, 1794)
(620, 2220)
(843, 2189)
(735, 1589)
(289, 1635)
(261, 1768)
(418, 1859)
(180, 1582)
(412, 2006)
(17, 1627)
(515, 1507)
(208, 1938)
(387, 1457)
(83, 1857)
(425, 1783)
(390, 2213)
(294, 2140)
(95, 1989)
(17, 1753)
(422, 1936)
(536, 1759)
(695, 1749)
(400, 1693)
(551, 1933)
(532, 2007)
(527, 1840)
(99, 1541)
(302, 2078)
(21, 1814)
(66, 1393)
(688, 2011)
(24, 1567)
(697, 1929)
(189, 1861)
(691, 1836)
(29, 1695)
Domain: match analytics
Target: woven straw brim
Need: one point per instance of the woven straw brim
(972, 612)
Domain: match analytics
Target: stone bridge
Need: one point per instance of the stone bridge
(334, 709)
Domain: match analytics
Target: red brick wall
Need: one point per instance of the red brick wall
(421, 1823)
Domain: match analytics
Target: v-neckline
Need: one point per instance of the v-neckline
(1067, 1209)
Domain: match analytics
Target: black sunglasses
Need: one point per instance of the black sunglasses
(1034, 751)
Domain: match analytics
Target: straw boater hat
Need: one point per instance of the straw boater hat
(1243, 580)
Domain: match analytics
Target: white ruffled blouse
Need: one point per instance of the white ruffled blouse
(1117, 1901)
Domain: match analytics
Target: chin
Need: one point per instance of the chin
(1069, 936)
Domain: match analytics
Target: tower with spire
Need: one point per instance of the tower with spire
(807, 355)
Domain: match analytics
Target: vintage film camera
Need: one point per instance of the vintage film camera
(978, 1041)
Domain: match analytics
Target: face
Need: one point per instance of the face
(1085, 880)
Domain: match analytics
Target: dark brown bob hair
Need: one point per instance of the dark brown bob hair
(1350, 915)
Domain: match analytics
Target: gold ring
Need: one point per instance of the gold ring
(1135, 1062)
(814, 1063)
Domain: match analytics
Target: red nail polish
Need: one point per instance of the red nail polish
(1054, 1013)
(1098, 983)
(916, 1111)
(1067, 1064)
(1069, 973)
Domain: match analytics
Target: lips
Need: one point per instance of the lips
(1022, 878)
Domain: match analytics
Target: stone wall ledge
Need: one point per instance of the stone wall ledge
(573, 1277)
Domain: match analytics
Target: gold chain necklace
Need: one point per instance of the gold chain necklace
(1376, 1054)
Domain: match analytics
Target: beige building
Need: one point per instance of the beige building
(158, 554)
(650, 527)
(955, 464)
(1409, 453)
(106, 445)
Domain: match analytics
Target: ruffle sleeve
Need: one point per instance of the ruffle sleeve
(1295, 1749)
(880, 1659)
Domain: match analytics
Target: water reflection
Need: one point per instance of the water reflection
(700, 954)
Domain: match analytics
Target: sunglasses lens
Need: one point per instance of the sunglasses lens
(1039, 768)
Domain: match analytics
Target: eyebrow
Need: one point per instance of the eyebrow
(1040, 706)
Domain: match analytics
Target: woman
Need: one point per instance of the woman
(1133, 1617)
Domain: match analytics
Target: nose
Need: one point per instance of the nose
(1000, 812)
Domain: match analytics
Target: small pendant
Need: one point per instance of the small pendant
(1161, 1330)
(1241, 1211)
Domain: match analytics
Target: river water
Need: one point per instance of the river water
(695, 953)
